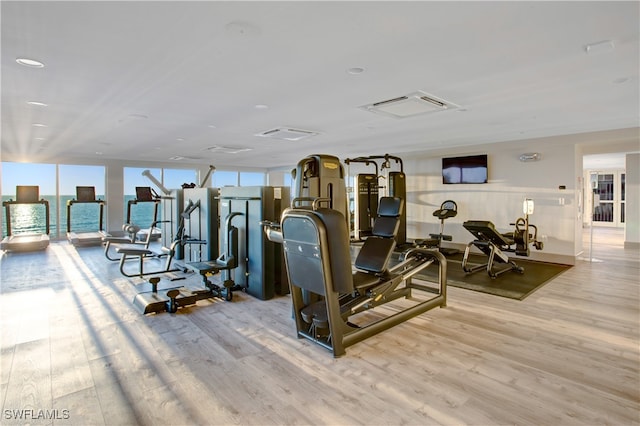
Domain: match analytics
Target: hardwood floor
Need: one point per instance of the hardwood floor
(75, 349)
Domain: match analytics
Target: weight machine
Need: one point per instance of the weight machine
(170, 298)
(317, 255)
(327, 294)
(494, 244)
(367, 188)
(135, 237)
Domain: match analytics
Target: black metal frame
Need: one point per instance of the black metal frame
(317, 257)
(494, 244)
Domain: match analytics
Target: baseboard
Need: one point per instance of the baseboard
(631, 245)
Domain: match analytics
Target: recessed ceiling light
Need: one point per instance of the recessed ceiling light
(355, 70)
(262, 106)
(39, 139)
(30, 63)
(34, 103)
(39, 125)
(212, 126)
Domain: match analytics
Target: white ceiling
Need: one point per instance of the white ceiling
(155, 80)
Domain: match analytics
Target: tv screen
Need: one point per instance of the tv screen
(470, 169)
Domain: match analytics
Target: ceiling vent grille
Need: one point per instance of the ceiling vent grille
(227, 149)
(287, 134)
(415, 103)
(181, 157)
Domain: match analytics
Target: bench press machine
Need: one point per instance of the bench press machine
(318, 260)
(494, 244)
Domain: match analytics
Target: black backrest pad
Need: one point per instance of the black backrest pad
(316, 247)
(377, 249)
(390, 206)
(485, 231)
(388, 221)
(375, 254)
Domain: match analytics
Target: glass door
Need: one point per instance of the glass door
(608, 198)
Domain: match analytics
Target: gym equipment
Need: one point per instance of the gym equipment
(86, 195)
(176, 297)
(131, 241)
(145, 194)
(321, 176)
(135, 236)
(317, 255)
(364, 203)
(171, 207)
(168, 253)
(226, 262)
(447, 209)
(365, 199)
(315, 176)
(201, 225)
(26, 241)
(260, 270)
(494, 244)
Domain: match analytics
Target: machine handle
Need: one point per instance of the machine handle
(152, 178)
(314, 201)
(206, 177)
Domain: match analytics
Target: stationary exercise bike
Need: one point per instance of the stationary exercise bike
(447, 209)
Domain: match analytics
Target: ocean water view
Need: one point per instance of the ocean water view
(31, 218)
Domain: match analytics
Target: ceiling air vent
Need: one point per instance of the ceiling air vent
(409, 105)
(180, 158)
(227, 149)
(287, 134)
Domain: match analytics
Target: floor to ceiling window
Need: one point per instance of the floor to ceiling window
(85, 217)
(30, 218)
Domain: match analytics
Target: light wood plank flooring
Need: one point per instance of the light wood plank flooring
(75, 349)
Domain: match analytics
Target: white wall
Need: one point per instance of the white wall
(500, 200)
(632, 201)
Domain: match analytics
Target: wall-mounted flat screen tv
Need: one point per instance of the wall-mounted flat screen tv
(469, 169)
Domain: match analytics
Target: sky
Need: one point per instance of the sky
(44, 175)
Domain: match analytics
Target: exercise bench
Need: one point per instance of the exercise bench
(494, 244)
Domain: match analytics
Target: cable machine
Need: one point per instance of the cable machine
(368, 188)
